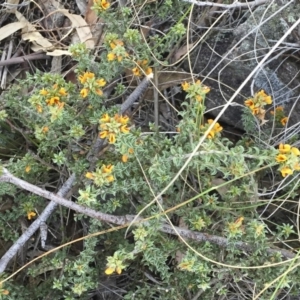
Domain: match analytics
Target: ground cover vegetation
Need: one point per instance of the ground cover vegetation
(181, 210)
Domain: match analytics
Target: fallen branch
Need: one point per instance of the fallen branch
(127, 219)
(19, 60)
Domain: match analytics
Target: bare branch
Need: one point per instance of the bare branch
(140, 89)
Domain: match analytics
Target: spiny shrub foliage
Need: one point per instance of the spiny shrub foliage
(221, 192)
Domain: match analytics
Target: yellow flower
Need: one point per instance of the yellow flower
(89, 175)
(104, 4)
(109, 271)
(63, 92)
(43, 92)
(124, 158)
(211, 134)
(52, 101)
(284, 120)
(143, 62)
(123, 120)
(148, 71)
(295, 151)
(115, 43)
(120, 58)
(185, 86)
(255, 110)
(101, 82)
(217, 127)
(45, 129)
(285, 171)
(30, 214)
(124, 129)
(198, 98)
(87, 75)
(249, 103)
(103, 134)
(110, 178)
(284, 148)
(84, 92)
(111, 56)
(263, 97)
(105, 118)
(268, 100)
(111, 138)
(136, 71)
(107, 169)
(205, 89)
(27, 169)
(281, 158)
(99, 92)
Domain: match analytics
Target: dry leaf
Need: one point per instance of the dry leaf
(82, 28)
(58, 52)
(90, 16)
(9, 29)
(182, 51)
(29, 33)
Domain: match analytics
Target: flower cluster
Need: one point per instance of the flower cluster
(118, 50)
(101, 176)
(52, 97)
(144, 65)
(257, 103)
(288, 159)
(115, 263)
(214, 131)
(279, 115)
(110, 127)
(91, 84)
(195, 91)
(101, 5)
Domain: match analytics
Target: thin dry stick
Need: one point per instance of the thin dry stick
(65, 188)
(236, 4)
